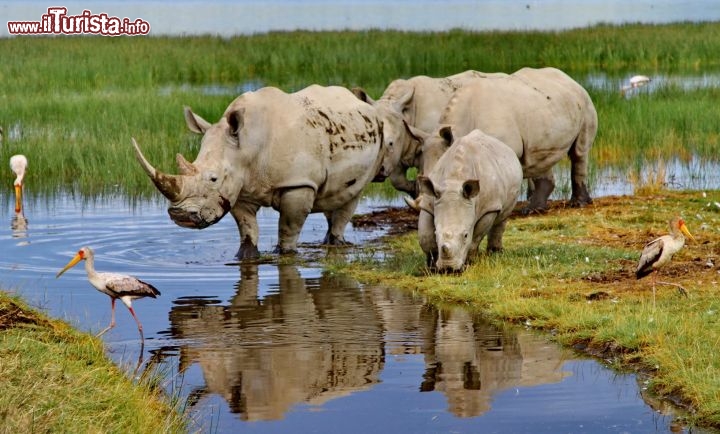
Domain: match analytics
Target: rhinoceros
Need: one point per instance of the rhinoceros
(421, 100)
(429, 95)
(542, 114)
(310, 151)
(470, 193)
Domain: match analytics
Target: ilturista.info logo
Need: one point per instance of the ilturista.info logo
(57, 22)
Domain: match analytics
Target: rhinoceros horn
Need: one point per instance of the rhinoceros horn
(169, 185)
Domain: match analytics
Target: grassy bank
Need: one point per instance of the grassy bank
(571, 272)
(72, 103)
(56, 379)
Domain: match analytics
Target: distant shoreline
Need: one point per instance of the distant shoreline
(224, 18)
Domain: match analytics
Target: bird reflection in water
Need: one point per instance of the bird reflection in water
(19, 224)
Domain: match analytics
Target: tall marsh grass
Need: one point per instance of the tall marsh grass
(71, 104)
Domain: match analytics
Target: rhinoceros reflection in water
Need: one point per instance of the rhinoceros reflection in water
(317, 339)
(312, 341)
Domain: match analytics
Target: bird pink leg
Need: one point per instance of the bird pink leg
(654, 277)
(142, 338)
(112, 319)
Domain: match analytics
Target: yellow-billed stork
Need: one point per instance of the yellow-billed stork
(116, 286)
(18, 164)
(660, 251)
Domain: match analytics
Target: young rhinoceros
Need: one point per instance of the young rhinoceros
(470, 193)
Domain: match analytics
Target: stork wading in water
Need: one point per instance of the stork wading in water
(660, 251)
(18, 164)
(116, 286)
(635, 82)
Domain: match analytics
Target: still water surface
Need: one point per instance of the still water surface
(291, 347)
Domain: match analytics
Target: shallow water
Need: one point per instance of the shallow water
(290, 347)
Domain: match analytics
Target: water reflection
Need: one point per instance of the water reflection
(19, 225)
(312, 340)
(470, 360)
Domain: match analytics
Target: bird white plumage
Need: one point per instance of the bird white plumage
(658, 252)
(116, 286)
(635, 82)
(18, 164)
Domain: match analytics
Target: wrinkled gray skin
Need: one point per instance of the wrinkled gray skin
(399, 155)
(470, 193)
(310, 151)
(542, 114)
(422, 100)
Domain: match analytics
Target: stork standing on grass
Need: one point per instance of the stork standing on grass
(116, 286)
(18, 164)
(660, 251)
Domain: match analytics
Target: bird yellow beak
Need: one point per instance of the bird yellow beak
(70, 264)
(18, 197)
(685, 231)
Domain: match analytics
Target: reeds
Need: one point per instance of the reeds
(71, 104)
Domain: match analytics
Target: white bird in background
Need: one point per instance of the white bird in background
(635, 82)
(116, 286)
(660, 251)
(18, 164)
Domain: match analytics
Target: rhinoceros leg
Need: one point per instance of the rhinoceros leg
(245, 216)
(294, 206)
(542, 187)
(426, 236)
(494, 242)
(578, 174)
(579, 153)
(337, 222)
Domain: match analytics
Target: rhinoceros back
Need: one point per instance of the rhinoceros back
(320, 137)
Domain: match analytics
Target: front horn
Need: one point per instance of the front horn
(169, 185)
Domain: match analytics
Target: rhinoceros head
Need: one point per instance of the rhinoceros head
(401, 141)
(204, 190)
(454, 215)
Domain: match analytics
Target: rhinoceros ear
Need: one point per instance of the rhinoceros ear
(235, 120)
(416, 132)
(404, 101)
(195, 123)
(447, 135)
(426, 186)
(362, 95)
(471, 188)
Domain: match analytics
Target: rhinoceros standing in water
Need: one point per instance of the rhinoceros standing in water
(470, 193)
(309, 151)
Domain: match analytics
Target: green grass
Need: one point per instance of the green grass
(56, 379)
(79, 100)
(571, 272)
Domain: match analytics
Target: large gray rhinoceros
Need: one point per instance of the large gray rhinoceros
(470, 193)
(429, 95)
(310, 151)
(421, 100)
(542, 114)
